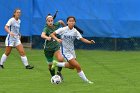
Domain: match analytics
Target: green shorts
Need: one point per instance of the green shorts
(49, 54)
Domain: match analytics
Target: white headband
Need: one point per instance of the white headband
(49, 16)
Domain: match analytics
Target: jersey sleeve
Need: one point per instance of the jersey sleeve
(78, 35)
(57, 24)
(44, 30)
(59, 31)
(9, 23)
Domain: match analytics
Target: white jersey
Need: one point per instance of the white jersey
(14, 26)
(68, 36)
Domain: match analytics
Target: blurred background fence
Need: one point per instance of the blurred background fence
(113, 24)
(115, 44)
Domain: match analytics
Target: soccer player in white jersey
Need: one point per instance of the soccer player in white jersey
(13, 39)
(68, 35)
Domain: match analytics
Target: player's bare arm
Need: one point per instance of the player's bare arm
(62, 23)
(87, 41)
(8, 31)
(53, 35)
(44, 36)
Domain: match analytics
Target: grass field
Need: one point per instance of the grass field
(112, 72)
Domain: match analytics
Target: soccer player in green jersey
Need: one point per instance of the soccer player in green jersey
(51, 46)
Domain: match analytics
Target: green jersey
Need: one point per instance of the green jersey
(51, 45)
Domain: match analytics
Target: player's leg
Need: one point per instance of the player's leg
(73, 64)
(23, 56)
(52, 71)
(9, 43)
(77, 66)
(49, 57)
(5, 55)
(60, 58)
(61, 64)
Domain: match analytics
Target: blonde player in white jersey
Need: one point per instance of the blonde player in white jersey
(13, 39)
(68, 35)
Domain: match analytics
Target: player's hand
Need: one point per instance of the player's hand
(59, 40)
(92, 41)
(48, 38)
(12, 34)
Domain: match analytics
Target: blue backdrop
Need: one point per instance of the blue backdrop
(98, 18)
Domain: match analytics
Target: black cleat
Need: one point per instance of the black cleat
(29, 67)
(1, 66)
(59, 73)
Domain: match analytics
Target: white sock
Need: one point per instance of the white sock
(60, 64)
(82, 75)
(24, 60)
(3, 59)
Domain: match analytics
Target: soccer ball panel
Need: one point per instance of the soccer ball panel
(56, 79)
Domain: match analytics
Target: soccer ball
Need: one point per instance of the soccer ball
(56, 79)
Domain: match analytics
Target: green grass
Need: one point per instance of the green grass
(112, 72)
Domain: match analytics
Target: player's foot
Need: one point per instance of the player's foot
(1, 66)
(54, 64)
(90, 82)
(29, 67)
(59, 73)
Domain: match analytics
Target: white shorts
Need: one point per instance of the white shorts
(68, 56)
(12, 41)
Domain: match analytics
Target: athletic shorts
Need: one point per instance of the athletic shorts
(68, 55)
(11, 41)
(49, 55)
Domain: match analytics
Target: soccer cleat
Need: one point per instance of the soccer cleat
(90, 82)
(59, 73)
(54, 64)
(29, 67)
(1, 66)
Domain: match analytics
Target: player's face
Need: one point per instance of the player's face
(71, 22)
(50, 21)
(17, 13)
